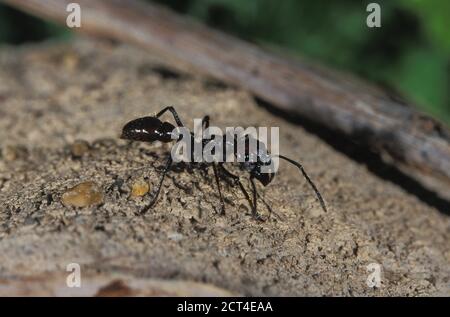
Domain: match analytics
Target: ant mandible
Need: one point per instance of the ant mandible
(151, 129)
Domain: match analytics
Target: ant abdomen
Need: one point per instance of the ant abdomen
(148, 129)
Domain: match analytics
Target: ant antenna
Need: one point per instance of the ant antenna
(300, 167)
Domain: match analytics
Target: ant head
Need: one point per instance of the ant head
(255, 158)
(262, 169)
(147, 129)
(263, 177)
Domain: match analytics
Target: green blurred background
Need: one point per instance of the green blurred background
(409, 54)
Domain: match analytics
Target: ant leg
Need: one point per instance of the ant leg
(155, 196)
(222, 204)
(236, 181)
(267, 205)
(174, 113)
(255, 195)
(205, 122)
(205, 125)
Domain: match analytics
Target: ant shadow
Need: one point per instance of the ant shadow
(201, 172)
(363, 155)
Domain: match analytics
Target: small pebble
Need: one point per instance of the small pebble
(70, 61)
(11, 153)
(83, 195)
(175, 236)
(79, 148)
(139, 188)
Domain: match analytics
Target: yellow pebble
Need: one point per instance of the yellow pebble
(70, 61)
(83, 195)
(11, 153)
(79, 147)
(139, 188)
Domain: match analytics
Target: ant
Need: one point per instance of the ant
(151, 129)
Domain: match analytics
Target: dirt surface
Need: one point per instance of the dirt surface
(54, 94)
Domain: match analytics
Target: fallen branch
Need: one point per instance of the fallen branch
(416, 143)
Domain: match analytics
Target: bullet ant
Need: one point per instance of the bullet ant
(151, 129)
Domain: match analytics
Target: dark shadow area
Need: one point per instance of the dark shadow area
(363, 155)
(17, 27)
(164, 72)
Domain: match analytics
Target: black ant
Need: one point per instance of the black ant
(151, 128)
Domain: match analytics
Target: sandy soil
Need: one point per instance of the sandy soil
(54, 94)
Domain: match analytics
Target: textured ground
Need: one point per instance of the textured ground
(52, 95)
